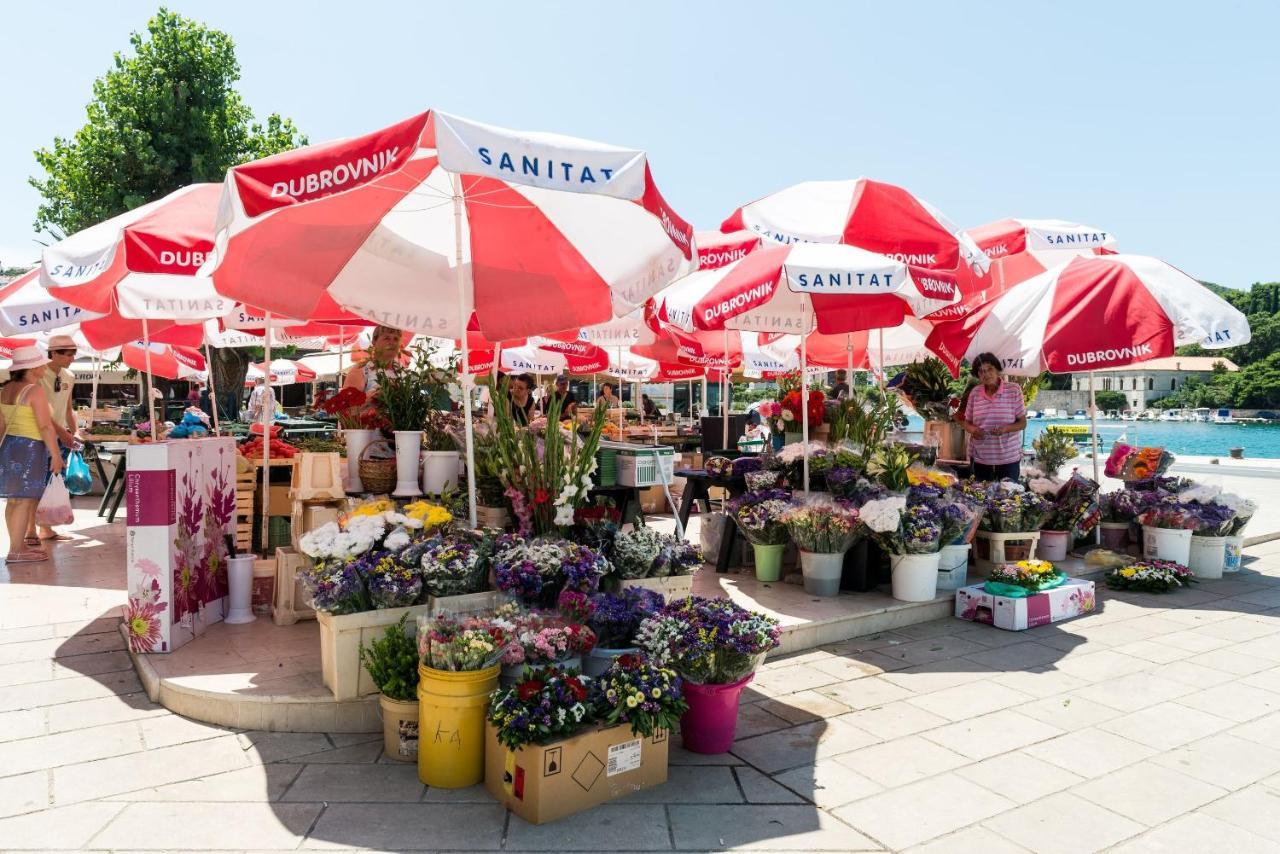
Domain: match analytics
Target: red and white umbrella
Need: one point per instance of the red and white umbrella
(871, 350)
(283, 372)
(1093, 312)
(164, 360)
(8, 345)
(415, 224)
(871, 215)
(771, 289)
(26, 307)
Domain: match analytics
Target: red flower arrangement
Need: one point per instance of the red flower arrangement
(347, 405)
(817, 408)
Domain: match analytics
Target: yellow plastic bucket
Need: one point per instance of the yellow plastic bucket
(451, 709)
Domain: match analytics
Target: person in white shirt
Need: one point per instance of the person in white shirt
(261, 400)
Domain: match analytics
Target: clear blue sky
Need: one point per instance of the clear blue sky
(1159, 122)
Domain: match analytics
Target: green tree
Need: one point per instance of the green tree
(162, 118)
(1108, 400)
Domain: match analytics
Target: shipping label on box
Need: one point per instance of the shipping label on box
(542, 783)
(1073, 598)
(181, 503)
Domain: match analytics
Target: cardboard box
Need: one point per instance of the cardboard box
(278, 501)
(542, 783)
(654, 500)
(1072, 599)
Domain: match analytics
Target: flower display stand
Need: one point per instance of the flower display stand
(991, 549)
(670, 586)
(317, 477)
(542, 783)
(340, 640)
(492, 517)
(290, 603)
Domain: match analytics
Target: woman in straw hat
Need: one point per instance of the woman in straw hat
(28, 449)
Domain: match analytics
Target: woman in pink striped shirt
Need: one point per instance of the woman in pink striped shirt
(994, 417)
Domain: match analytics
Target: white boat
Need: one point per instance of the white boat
(1031, 413)
(1199, 415)
(1147, 415)
(1050, 413)
(1080, 415)
(1223, 416)
(1172, 415)
(1128, 415)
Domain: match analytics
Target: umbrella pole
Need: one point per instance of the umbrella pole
(1093, 439)
(213, 395)
(268, 415)
(702, 405)
(804, 386)
(93, 396)
(724, 390)
(880, 332)
(151, 404)
(466, 358)
(848, 346)
(639, 403)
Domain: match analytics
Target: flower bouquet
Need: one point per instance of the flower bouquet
(447, 643)
(647, 553)
(823, 529)
(543, 639)
(537, 570)
(1212, 519)
(1023, 578)
(1150, 576)
(759, 516)
(1169, 514)
(715, 646)
(793, 407)
(541, 708)
(637, 692)
(347, 405)
(455, 564)
(1243, 509)
(616, 617)
(391, 584)
(1121, 506)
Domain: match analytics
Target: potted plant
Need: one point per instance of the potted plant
(458, 671)
(760, 517)
(1150, 576)
(716, 647)
(441, 435)
(540, 640)
(1166, 530)
(535, 571)
(406, 396)
(911, 532)
(392, 662)
(349, 406)
(823, 529)
(1208, 553)
(1119, 510)
(615, 618)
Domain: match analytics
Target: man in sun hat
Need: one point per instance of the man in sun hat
(57, 382)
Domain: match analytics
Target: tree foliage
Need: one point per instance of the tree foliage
(164, 117)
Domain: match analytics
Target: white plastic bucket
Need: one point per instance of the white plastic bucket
(357, 441)
(1167, 544)
(821, 572)
(1233, 551)
(915, 577)
(1208, 556)
(953, 566)
(439, 471)
(1053, 545)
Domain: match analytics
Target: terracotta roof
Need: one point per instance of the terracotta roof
(1175, 363)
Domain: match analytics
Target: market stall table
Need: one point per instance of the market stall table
(697, 487)
(114, 492)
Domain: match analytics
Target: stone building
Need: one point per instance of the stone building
(1149, 381)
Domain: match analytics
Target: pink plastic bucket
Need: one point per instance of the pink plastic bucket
(712, 718)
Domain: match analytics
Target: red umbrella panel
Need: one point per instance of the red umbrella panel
(170, 362)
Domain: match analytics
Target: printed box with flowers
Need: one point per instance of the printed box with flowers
(1073, 598)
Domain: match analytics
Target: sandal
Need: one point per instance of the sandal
(26, 557)
(31, 541)
(56, 538)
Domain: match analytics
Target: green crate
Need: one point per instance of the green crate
(607, 467)
(279, 533)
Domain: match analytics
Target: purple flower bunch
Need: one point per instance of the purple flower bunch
(521, 578)
(708, 641)
(1212, 519)
(615, 617)
(1123, 505)
(545, 706)
(582, 568)
(636, 691)
(536, 571)
(921, 529)
(391, 584)
(676, 557)
(759, 515)
(336, 587)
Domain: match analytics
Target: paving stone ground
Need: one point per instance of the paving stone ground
(1152, 725)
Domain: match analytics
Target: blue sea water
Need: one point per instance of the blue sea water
(1191, 438)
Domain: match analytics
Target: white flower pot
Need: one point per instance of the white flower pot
(1053, 545)
(408, 452)
(357, 441)
(1167, 544)
(915, 577)
(240, 589)
(821, 572)
(439, 471)
(1234, 548)
(1208, 557)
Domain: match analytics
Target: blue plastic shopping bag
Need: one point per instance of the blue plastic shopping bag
(77, 477)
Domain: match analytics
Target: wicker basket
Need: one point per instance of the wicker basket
(378, 476)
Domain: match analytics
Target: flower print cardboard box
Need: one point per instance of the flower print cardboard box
(544, 782)
(1073, 598)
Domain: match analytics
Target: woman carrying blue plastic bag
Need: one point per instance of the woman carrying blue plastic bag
(57, 382)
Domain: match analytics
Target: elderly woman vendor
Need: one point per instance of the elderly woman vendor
(994, 417)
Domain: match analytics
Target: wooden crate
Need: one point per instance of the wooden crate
(245, 484)
(290, 597)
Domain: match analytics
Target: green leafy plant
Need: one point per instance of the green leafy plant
(392, 662)
(1052, 450)
(927, 387)
(866, 418)
(407, 394)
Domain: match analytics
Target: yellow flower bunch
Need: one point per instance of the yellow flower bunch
(373, 508)
(430, 515)
(918, 475)
(1129, 571)
(1035, 567)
